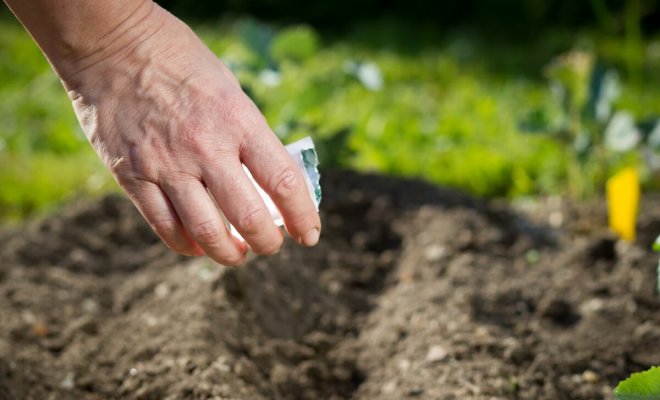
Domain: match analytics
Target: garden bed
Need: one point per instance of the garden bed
(413, 292)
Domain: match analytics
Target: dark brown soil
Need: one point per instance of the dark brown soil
(413, 292)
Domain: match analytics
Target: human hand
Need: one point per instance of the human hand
(174, 127)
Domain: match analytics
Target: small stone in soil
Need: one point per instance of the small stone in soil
(68, 381)
(90, 306)
(434, 252)
(590, 376)
(162, 290)
(436, 353)
(389, 387)
(150, 320)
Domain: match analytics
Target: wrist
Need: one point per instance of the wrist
(114, 40)
(155, 45)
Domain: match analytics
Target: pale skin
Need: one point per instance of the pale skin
(173, 126)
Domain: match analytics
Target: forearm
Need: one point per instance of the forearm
(74, 34)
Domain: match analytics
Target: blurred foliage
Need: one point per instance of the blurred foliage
(601, 138)
(35, 183)
(44, 156)
(451, 107)
(298, 43)
(450, 111)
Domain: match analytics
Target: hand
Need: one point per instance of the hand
(174, 127)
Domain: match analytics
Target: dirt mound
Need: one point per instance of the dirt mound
(413, 292)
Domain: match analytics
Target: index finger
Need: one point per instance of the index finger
(278, 175)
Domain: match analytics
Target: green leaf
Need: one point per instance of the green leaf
(256, 36)
(651, 129)
(640, 386)
(656, 244)
(297, 43)
(604, 90)
(621, 134)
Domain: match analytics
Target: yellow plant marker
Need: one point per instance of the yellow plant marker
(623, 202)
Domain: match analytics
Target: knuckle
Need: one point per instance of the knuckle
(208, 232)
(166, 228)
(302, 222)
(286, 183)
(252, 221)
(169, 231)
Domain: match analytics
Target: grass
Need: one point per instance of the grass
(447, 108)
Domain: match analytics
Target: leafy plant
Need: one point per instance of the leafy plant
(598, 137)
(640, 386)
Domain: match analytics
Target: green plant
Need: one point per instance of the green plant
(640, 386)
(599, 137)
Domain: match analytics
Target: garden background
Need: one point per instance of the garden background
(497, 98)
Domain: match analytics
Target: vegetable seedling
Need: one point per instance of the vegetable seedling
(640, 386)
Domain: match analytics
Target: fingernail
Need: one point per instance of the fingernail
(311, 237)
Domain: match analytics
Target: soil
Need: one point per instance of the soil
(413, 292)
